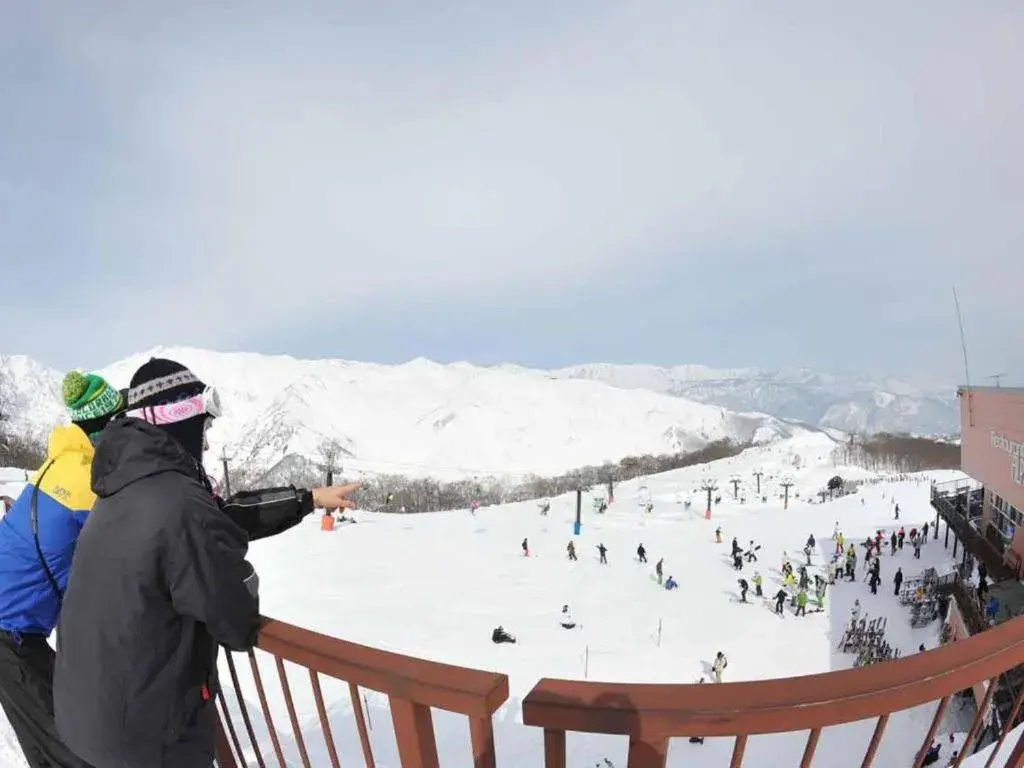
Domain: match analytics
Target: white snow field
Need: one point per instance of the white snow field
(435, 585)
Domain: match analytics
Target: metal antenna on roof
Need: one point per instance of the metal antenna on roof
(967, 372)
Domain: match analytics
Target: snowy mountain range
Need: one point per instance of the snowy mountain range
(421, 418)
(848, 402)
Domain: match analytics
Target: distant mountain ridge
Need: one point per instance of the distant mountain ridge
(848, 402)
(420, 418)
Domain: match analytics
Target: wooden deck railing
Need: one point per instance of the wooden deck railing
(652, 714)
(649, 715)
(413, 686)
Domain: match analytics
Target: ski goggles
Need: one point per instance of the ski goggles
(207, 403)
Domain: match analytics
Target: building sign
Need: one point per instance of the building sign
(1014, 448)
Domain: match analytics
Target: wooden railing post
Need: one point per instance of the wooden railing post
(414, 734)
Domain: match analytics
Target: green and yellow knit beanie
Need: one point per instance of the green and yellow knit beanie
(88, 396)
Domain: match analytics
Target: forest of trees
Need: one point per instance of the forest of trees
(884, 452)
(16, 449)
(392, 493)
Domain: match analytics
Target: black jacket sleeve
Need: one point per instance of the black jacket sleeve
(207, 573)
(269, 511)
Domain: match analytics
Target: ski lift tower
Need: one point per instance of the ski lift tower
(787, 483)
(758, 473)
(709, 486)
(735, 480)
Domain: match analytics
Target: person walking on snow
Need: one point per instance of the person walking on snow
(603, 551)
(571, 550)
(718, 534)
(801, 603)
(658, 568)
(719, 666)
(744, 587)
(900, 535)
(735, 547)
(641, 554)
(924, 533)
(892, 543)
(526, 548)
(897, 511)
(855, 613)
(757, 584)
(898, 581)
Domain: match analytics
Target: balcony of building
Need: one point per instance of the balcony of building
(646, 716)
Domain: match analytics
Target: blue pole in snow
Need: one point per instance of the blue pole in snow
(579, 509)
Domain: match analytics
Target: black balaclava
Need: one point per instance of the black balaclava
(159, 382)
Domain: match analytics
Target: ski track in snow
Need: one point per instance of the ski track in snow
(435, 585)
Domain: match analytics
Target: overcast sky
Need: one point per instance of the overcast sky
(546, 183)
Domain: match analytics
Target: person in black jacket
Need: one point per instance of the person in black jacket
(158, 580)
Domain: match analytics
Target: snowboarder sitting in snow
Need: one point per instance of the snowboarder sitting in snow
(932, 755)
(499, 635)
(698, 739)
(671, 583)
(566, 618)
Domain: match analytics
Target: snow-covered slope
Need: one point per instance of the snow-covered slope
(423, 418)
(850, 402)
(400, 582)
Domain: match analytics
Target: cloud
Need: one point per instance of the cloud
(271, 166)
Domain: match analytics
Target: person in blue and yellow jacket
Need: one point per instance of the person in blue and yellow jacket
(37, 541)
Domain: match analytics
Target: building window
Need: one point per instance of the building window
(1006, 517)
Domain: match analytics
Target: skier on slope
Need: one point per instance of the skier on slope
(641, 554)
(780, 598)
(658, 569)
(751, 553)
(719, 666)
(571, 550)
(743, 590)
(603, 551)
(735, 547)
(565, 618)
(526, 548)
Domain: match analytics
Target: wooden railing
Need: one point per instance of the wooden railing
(652, 714)
(648, 715)
(413, 686)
